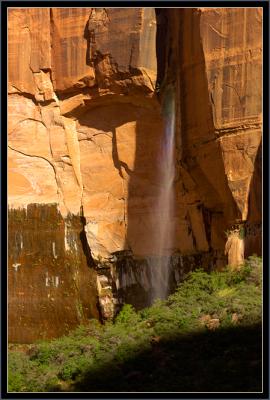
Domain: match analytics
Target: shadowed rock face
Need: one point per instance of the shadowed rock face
(85, 123)
(218, 81)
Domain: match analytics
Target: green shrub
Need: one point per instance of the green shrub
(73, 367)
(15, 381)
(233, 297)
(127, 315)
(18, 364)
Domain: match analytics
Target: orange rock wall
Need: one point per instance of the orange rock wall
(219, 86)
(84, 127)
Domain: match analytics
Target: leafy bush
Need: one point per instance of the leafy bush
(73, 367)
(127, 315)
(229, 297)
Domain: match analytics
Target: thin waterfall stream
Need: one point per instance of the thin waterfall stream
(164, 210)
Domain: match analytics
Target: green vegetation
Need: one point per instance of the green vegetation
(204, 337)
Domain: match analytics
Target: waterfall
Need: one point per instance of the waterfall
(164, 210)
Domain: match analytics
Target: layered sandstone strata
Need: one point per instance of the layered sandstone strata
(85, 126)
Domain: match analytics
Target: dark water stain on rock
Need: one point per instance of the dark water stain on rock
(51, 288)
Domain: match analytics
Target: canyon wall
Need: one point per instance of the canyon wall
(219, 86)
(85, 123)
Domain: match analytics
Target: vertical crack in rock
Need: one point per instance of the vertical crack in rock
(73, 147)
(30, 42)
(58, 180)
(51, 45)
(84, 242)
(74, 151)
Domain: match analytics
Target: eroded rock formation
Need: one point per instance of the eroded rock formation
(85, 122)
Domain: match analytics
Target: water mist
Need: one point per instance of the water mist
(164, 210)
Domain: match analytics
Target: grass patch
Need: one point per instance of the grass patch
(204, 337)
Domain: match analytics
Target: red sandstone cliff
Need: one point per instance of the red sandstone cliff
(84, 128)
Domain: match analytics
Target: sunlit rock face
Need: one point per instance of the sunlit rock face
(85, 125)
(81, 103)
